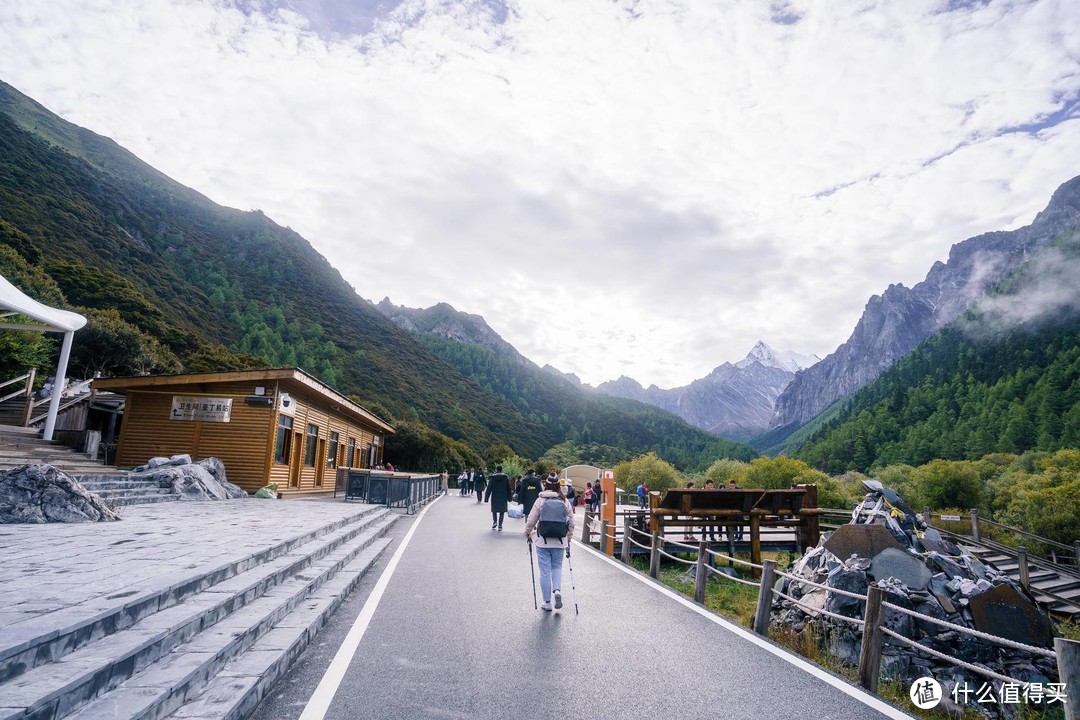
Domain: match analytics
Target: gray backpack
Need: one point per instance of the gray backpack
(554, 520)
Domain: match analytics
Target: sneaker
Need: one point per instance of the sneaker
(545, 606)
(500, 528)
(558, 599)
(492, 526)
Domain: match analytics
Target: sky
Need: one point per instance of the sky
(620, 187)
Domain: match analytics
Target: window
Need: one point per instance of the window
(312, 445)
(350, 453)
(281, 443)
(331, 450)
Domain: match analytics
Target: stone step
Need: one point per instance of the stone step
(245, 605)
(284, 621)
(244, 681)
(142, 500)
(27, 644)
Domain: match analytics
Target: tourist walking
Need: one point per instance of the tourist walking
(463, 483)
(553, 523)
(479, 482)
(498, 492)
(643, 495)
(528, 490)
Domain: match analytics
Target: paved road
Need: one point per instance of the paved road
(455, 635)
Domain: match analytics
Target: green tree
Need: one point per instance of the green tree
(651, 469)
(946, 484)
(725, 470)
(112, 346)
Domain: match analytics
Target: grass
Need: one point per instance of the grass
(738, 603)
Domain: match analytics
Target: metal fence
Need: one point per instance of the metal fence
(393, 490)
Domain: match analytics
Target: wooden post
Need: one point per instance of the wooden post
(1076, 548)
(702, 574)
(627, 533)
(1021, 558)
(870, 654)
(604, 546)
(975, 523)
(1068, 662)
(926, 515)
(755, 542)
(654, 552)
(586, 529)
(29, 395)
(764, 598)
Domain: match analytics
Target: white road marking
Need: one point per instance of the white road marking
(331, 680)
(848, 689)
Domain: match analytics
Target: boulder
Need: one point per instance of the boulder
(43, 494)
(204, 480)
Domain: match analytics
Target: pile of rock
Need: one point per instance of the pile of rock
(42, 494)
(917, 569)
(202, 480)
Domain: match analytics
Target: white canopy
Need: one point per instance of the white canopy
(15, 302)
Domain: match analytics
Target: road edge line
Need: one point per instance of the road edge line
(319, 703)
(784, 654)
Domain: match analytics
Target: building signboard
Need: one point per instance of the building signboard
(201, 409)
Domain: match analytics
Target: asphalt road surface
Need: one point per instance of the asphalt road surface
(454, 635)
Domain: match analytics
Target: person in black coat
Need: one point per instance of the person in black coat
(529, 491)
(498, 492)
(479, 482)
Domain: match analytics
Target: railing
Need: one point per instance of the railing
(394, 490)
(871, 625)
(74, 389)
(1054, 554)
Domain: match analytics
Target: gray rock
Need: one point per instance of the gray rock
(192, 482)
(852, 581)
(899, 564)
(216, 468)
(42, 494)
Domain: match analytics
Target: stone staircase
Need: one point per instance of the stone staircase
(22, 446)
(207, 644)
(119, 489)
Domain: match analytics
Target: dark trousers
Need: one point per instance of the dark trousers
(479, 492)
(497, 518)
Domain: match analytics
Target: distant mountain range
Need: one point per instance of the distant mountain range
(471, 346)
(735, 400)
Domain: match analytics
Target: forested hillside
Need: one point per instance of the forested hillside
(181, 282)
(172, 282)
(595, 418)
(1003, 378)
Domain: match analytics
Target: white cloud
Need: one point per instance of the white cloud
(640, 188)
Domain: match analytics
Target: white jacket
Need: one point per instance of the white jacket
(534, 517)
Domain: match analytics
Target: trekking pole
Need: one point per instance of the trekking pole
(572, 588)
(532, 569)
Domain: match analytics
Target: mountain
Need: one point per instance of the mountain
(1004, 377)
(896, 321)
(735, 400)
(200, 286)
(555, 399)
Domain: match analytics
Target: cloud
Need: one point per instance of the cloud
(642, 188)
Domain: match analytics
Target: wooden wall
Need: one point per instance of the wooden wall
(245, 444)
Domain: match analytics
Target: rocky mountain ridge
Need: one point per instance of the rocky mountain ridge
(735, 400)
(896, 321)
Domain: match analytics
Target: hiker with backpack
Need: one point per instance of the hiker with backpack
(498, 492)
(553, 523)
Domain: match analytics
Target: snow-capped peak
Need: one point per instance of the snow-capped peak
(787, 360)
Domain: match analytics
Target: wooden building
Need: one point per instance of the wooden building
(267, 426)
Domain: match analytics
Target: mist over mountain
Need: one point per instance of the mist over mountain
(896, 321)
